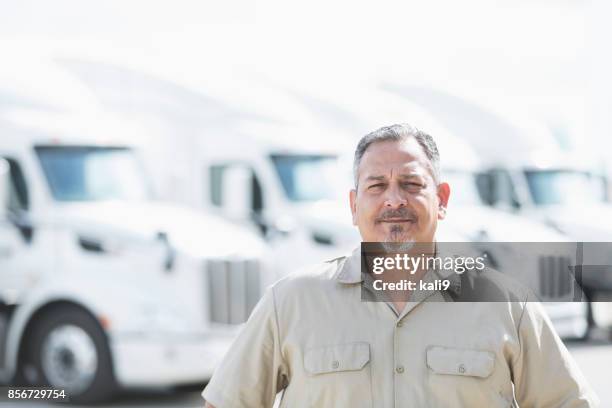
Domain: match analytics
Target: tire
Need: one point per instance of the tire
(70, 351)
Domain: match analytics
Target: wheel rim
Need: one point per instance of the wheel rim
(69, 358)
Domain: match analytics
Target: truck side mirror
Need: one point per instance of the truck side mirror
(5, 183)
(237, 192)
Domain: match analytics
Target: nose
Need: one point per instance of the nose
(394, 198)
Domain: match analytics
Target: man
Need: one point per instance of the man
(312, 336)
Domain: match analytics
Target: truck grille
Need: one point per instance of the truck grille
(234, 287)
(556, 280)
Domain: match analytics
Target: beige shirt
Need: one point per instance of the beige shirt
(312, 336)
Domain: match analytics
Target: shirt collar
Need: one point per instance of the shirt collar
(350, 270)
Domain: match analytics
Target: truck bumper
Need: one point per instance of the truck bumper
(160, 360)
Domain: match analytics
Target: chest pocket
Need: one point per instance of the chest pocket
(339, 375)
(463, 362)
(466, 377)
(342, 357)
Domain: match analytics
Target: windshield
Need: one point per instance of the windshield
(86, 173)
(564, 187)
(463, 188)
(308, 177)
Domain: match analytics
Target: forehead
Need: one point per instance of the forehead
(405, 156)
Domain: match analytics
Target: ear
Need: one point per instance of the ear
(353, 203)
(443, 196)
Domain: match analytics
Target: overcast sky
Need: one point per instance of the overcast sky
(535, 54)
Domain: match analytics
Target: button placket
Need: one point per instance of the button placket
(397, 357)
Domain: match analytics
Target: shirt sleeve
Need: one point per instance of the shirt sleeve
(544, 373)
(252, 371)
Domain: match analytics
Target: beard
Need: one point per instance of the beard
(398, 240)
(398, 233)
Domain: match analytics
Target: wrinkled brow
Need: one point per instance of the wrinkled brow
(376, 178)
(401, 176)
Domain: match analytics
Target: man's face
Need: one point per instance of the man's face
(397, 199)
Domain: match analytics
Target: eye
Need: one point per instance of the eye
(413, 185)
(376, 187)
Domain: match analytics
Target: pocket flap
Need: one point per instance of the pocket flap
(341, 357)
(455, 361)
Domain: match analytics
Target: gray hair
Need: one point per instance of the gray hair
(396, 133)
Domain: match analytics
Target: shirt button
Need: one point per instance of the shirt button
(399, 324)
(399, 369)
(335, 364)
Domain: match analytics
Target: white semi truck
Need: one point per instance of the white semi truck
(286, 181)
(101, 286)
(524, 167)
(526, 172)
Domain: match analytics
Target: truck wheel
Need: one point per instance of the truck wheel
(70, 352)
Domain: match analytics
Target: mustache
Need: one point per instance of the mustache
(401, 212)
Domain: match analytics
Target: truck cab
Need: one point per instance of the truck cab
(103, 286)
(292, 190)
(525, 172)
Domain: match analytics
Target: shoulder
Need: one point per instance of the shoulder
(310, 280)
(319, 274)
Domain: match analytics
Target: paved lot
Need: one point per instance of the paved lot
(594, 358)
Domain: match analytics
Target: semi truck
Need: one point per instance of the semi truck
(101, 285)
(527, 172)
